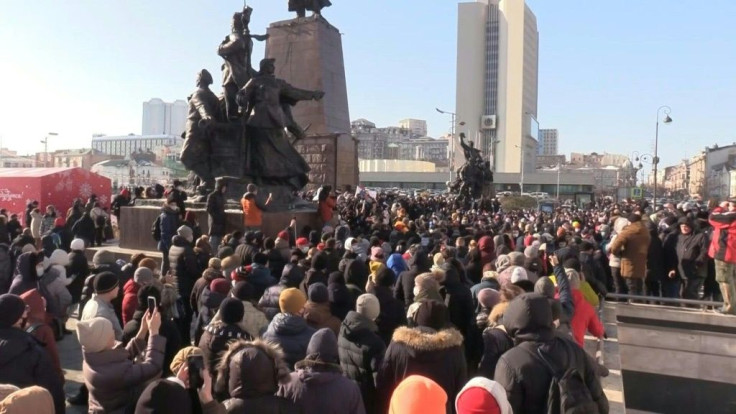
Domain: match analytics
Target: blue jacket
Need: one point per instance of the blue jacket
(292, 333)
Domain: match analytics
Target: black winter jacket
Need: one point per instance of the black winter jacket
(216, 217)
(79, 267)
(168, 330)
(361, 353)
(184, 265)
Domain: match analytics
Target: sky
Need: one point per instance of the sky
(80, 67)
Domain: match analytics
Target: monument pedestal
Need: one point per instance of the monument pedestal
(308, 54)
(136, 222)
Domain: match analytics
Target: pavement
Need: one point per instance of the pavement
(70, 354)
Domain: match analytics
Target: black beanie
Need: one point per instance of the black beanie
(243, 291)
(432, 314)
(105, 282)
(143, 295)
(11, 309)
(164, 396)
(231, 311)
(260, 258)
(318, 293)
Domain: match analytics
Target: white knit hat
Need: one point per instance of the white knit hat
(368, 306)
(95, 334)
(77, 244)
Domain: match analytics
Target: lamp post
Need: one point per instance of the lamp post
(655, 161)
(452, 139)
(45, 143)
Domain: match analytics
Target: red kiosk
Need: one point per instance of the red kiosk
(56, 186)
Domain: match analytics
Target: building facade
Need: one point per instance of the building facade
(597, 160)
(397, 143)
(547, 142)
(164, 118)
(11, 159)
(550, 160)
(127, 145)
(497, 79)
(133, 173)
(417, 127)
(84, 158)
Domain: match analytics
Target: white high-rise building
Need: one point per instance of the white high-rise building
(417, 127)
(547, 142)
(164, 118)
(497, 76)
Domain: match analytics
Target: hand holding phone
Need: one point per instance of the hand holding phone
(151, 304)
(195, 365)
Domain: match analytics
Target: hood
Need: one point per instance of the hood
(620, 225)
(131, 288)
(396, 263)
(59, 257)
(103, 257)
(486, 244)
(15, 342)
(482, 395)
(427, 340)
(250, 369)
(179, 241)
(28, 400)
(355, 324)
(498, 241)
(292, 275)
(36, 307)
(288, 325)
(26, 268)
(529, 318)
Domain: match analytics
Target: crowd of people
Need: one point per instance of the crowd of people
(395, 304)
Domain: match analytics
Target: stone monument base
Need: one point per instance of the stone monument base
(136, 222)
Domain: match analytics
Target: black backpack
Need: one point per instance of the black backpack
(568, 393)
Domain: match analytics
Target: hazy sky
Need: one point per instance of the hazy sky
(77, 67)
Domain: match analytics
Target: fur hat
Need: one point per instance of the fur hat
(292, 300)
(95, 334)
(368, 306)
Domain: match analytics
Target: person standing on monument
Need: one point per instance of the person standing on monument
(301, 6)
(216, 217)
(253, 209)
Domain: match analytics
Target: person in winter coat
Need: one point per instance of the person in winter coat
(184, 262)
(78, 269)
(104, 261)
(249, 374)
(111, 374)
(23, 361)
(496, 340)
(212, 272)
(143, 277)
(28, 400)
(633, 245)
(585, 317)
(488, 249)
(6, 268)
(685, 259)
(291, 277)
(217, 335)
(168, 329)
(84, 229)
(63, 233)
(29, 270)
(319, 375)
(361, 349)
(459, 302)
(209, 303)
(128, 270)
(254, 321)
(56, 281)
(474, 268)
(341, 301)
(404, 289)
(482, 395)
(392, 310)
(288, 329)
(522, 373)
(723, 251)
(317, 273)
(47, 221)
(614, 259)
(260, 276)
(36, 221)
(417, 394)
(38, 326)
(216, 218)
(166, 225)
(317, 309)
(431, 349)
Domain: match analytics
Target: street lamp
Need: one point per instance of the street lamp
(452, 138)
(45, 143)
(667, 110)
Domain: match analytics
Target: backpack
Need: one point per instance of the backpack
(156, 229)
(568, 393)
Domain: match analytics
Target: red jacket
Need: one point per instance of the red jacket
(723, 241)
(38, 318)
(325, 209)
(584, 319)
(130, 300)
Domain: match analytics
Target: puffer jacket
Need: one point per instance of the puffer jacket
(522, 373)
(292, 333)
(78, 271)
(291, 277)
(361, 353)
(113, 378)
(24, 362)
(58, 298)
(184, 265)
(437, 355)
(36, 221)
(248, 376)
(318, 316)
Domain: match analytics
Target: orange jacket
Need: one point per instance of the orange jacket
(252, 215)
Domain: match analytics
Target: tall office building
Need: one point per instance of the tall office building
(164, 118)
(547, 142)
(497, 76)
(417, 127)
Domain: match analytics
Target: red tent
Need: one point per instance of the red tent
(56, 186)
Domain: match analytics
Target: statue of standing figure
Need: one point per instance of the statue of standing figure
(237, 49)
(203, 110)
(301, 6)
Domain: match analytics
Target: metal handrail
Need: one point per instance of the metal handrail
(667, 301)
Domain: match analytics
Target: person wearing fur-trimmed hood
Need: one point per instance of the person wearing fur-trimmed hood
(431, 348)
(318, 376)
(249, 374)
